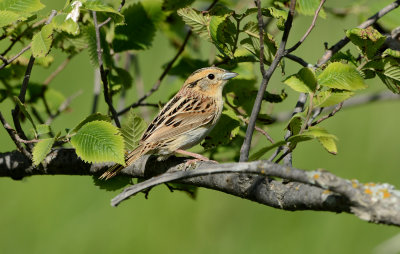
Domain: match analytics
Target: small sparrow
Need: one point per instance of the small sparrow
(185, 120)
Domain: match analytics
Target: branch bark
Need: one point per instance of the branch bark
(309, 190)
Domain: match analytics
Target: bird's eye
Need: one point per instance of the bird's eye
(211, 76)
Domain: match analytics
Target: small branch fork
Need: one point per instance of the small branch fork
(281, 52)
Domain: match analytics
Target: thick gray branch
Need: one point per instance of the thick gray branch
(309, 190)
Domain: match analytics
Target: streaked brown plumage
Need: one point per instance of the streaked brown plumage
(185, 120)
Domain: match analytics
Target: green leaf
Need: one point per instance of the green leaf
(197, 20)
(226, 129)
(368, 40)
(115, 183)
(99, 141)
(41, 41)
(326, 139)
(42, 129)
(295, 123)
(41, 149)
(3, 95)
(388, 70)
(9, 17)
(257, 155)
(341, 76)
(21, 6)
(308, 7)
(331, 97)
(280, 15)
(90, 37)
(124, 76)
(304, 81)
(173, 5)
(391, 52)
(275, 98)
(222, 30)
(91, 118)
(45, 61)
(132, 130)
(60, 23)
(252, 44)
(138, 32)
(22, 107)
(99, 6)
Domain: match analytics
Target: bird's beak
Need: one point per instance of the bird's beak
(229, 75)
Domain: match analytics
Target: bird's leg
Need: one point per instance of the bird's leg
(198, 157)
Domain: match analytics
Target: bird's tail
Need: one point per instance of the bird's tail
(129, 159)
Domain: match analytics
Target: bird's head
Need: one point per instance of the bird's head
(209, 81)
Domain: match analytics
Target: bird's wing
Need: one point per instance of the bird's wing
(180, 115)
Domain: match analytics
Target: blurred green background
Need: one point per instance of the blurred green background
(69, 214)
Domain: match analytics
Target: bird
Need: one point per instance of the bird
(184, 121)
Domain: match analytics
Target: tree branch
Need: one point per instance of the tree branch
(340, 44)
(309, 29)
(266, 75)
(103, 74)
(310, 190)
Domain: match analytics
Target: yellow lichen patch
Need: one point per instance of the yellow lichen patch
(326, 192)
(316, 176)
(385, 193)
(368, 191)
(263, 171)
(370, 184)
(354, 184)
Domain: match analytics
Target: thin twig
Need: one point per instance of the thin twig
(162, 76)
(244, 151)
(109, 18)
(298, 60)
(7, 62)
(96, 91)
(14, 136)
(309, 29)
(57, 71)
(63, 107)
(338, 107)
(340, 44)
(103, 74)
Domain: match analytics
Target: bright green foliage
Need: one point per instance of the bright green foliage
(304, 81)
(132, 130)
(388, 70)
(331, 97)
(367, 40)
(341, 76)
(90, 37)
(41, 149)
(196, 20)
(60, 23)
(41, 41)
(252, 43)
(308, 7)
(138, 32)
(173, 5)
(99, 141)
(295, 123)
(279, 15)
(23, 109)
(91, 118)
(327, 140)
(222, 30)
(391, 52)
(42, 129)
(99, 6)
(12, 10)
